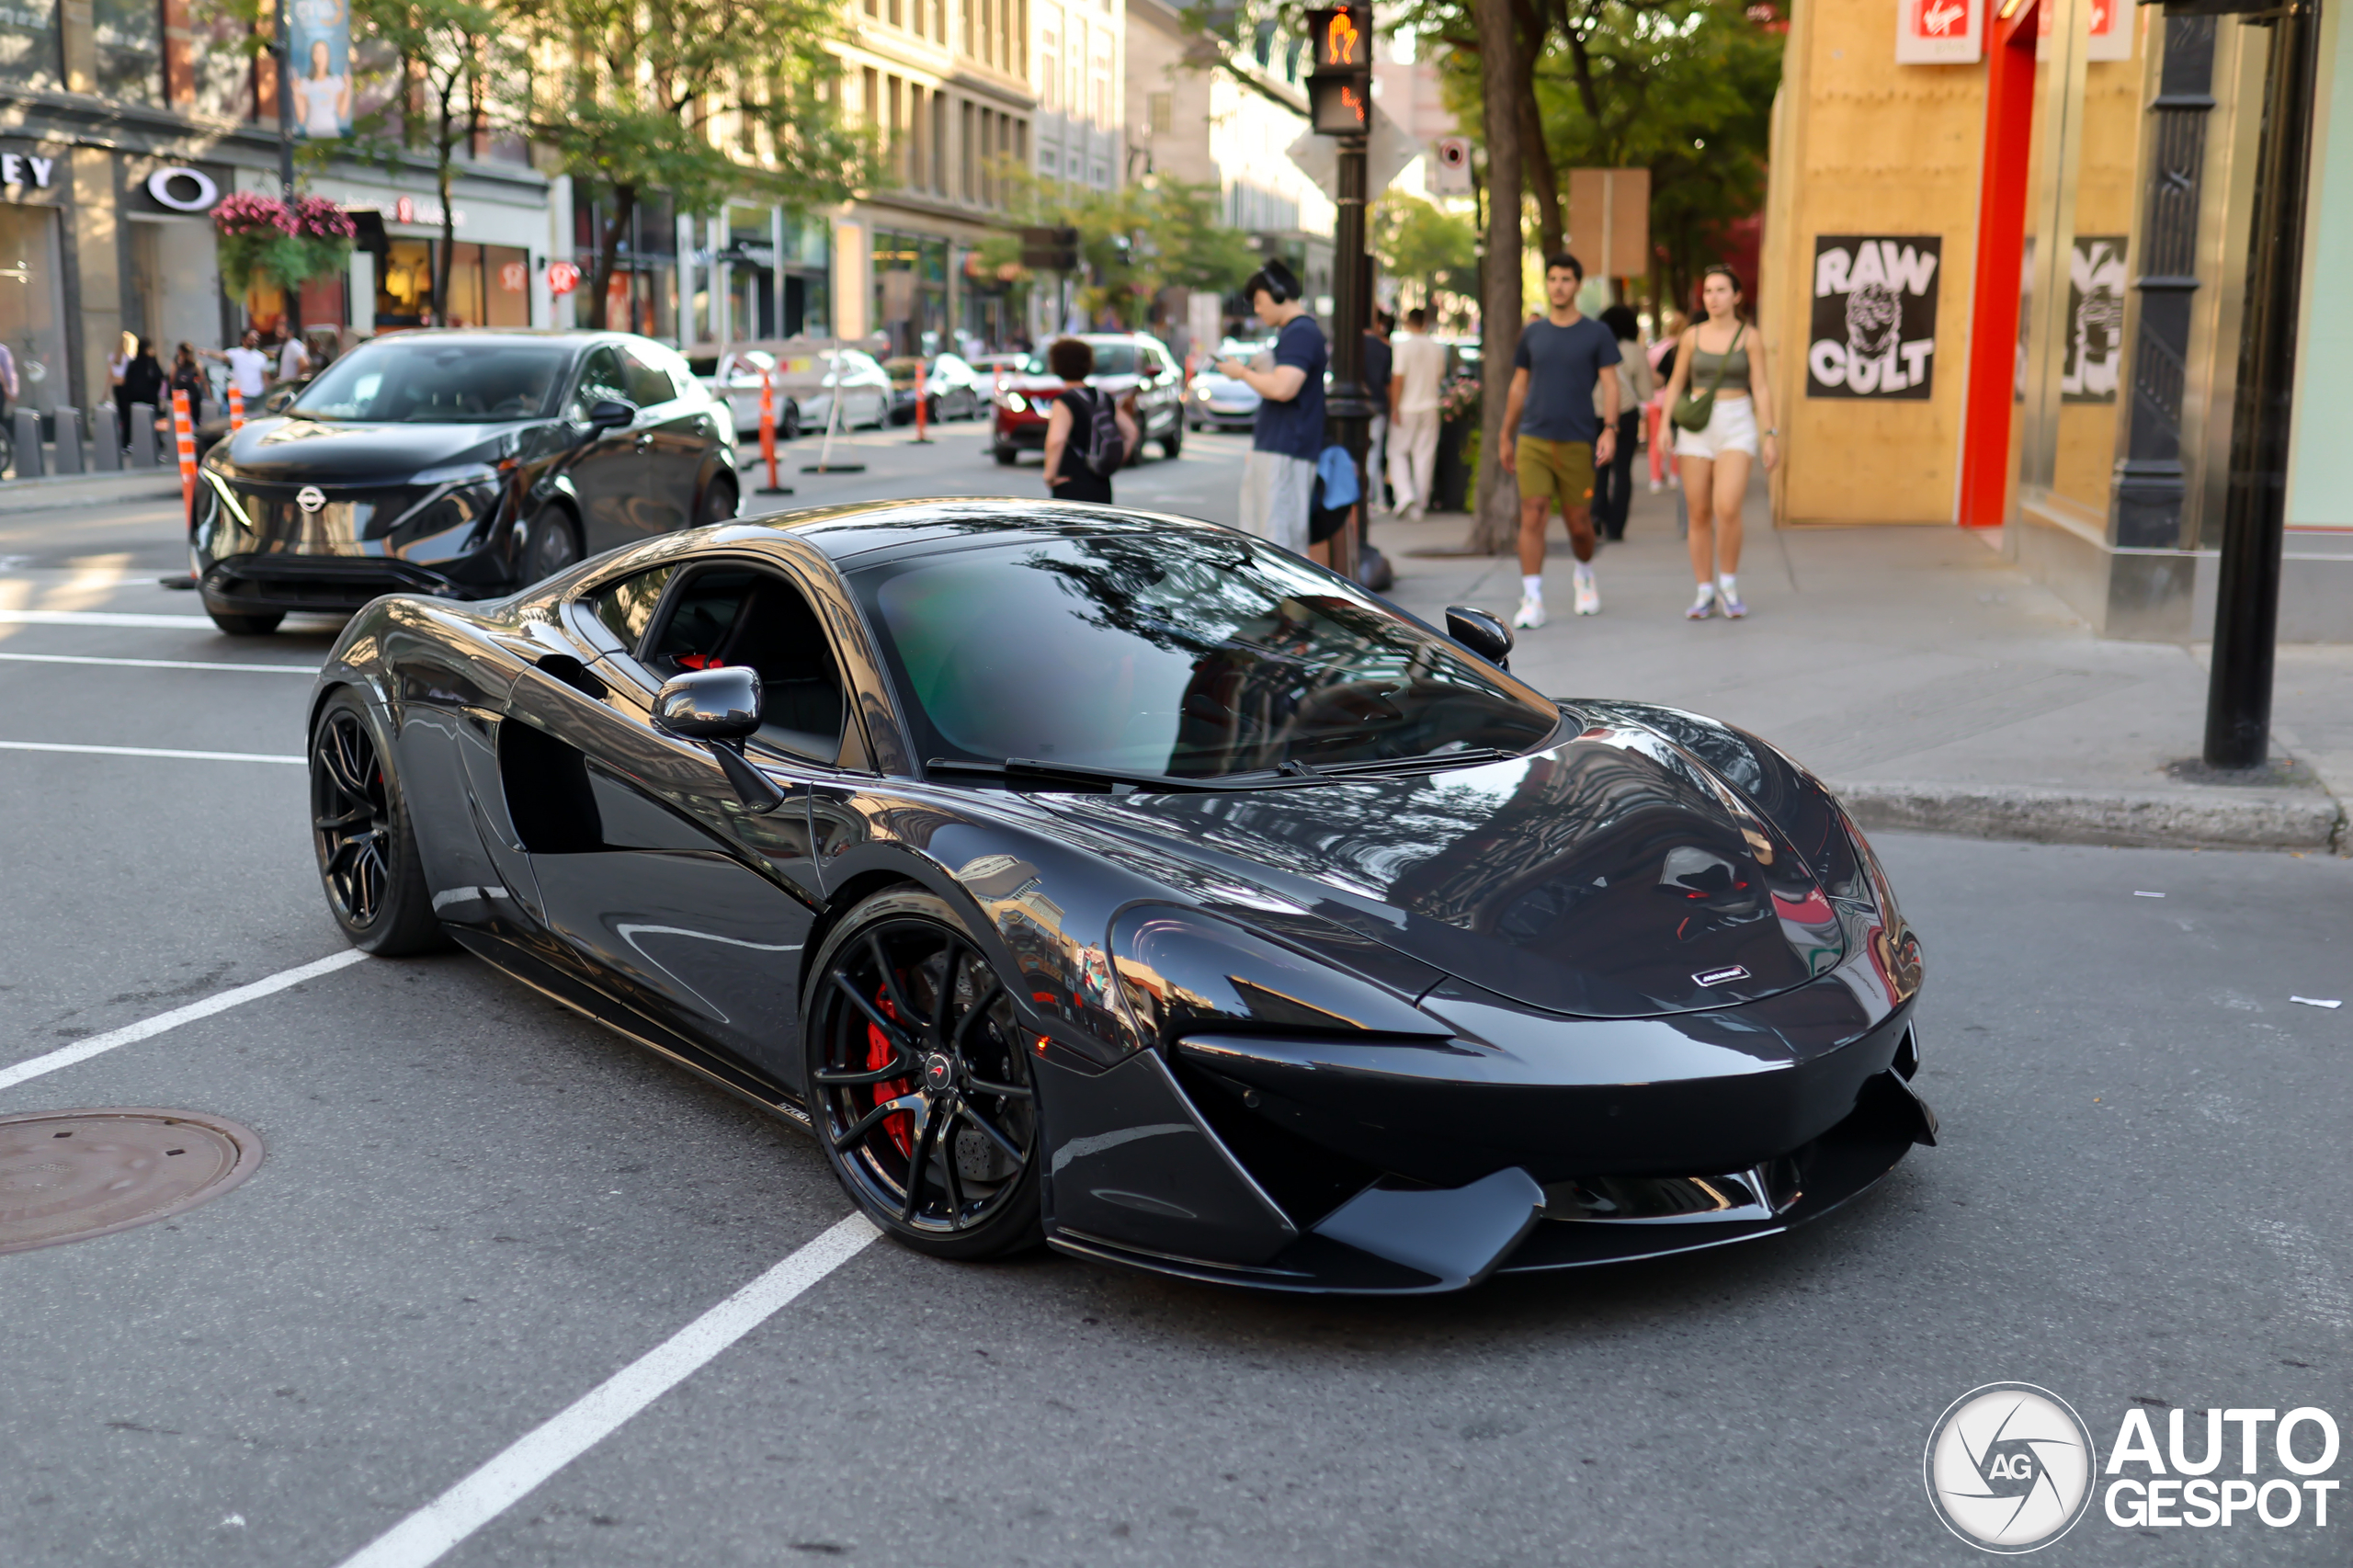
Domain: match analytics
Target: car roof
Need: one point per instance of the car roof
(849, 533)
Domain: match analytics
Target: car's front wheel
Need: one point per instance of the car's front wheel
(260, 625)
(919, 1082)
(549, 545)
(719, 503)
(367, 849)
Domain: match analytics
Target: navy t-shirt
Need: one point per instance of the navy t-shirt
(1562, 364)
(1377, 361)
(1296, 429)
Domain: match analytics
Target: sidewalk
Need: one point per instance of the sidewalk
(1929, 681)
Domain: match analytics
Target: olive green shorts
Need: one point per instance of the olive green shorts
(1556, 470)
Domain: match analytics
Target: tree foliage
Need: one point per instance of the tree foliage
(676, 97)
(1135, 241)
(1425, 246)
(450, 53)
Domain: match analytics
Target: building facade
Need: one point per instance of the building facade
(2004, 279)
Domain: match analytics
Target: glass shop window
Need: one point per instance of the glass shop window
(29, 45)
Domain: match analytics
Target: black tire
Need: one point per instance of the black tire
(1172, 443)
(361, 830)
(551, 543)
(954, 1173)
(1007, 456)
(258, 625)
(719, 503)
(788, 424)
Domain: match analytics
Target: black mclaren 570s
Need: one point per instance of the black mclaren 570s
(1125, 883)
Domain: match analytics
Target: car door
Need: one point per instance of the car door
(666, 888)
(606, 475)
(670, 435)
(866, 390)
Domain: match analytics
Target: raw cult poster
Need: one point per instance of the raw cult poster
(1874, 330)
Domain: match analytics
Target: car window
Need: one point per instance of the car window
(1191, 653)
(601, 377)
(742, 616)
(626, 608)
(648, 378)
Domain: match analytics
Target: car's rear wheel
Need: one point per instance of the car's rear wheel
(719, 503)
(788, 424)
(549, 544)
(367, 849)
(260, 625)
(1172, 443)
(1007, 456)
(919, 1082)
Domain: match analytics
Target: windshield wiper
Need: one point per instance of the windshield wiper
(1016, 771)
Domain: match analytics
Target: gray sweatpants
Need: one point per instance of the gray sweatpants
(1276, 492)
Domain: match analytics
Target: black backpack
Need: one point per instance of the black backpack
(1104, 448)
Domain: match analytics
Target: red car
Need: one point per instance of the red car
(1124, 361)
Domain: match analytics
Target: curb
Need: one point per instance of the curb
(2157, 819)
(55, 492)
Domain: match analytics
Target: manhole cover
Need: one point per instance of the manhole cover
(66, 1176)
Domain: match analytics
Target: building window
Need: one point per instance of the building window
(939, 144)
(29, 47)
(871, 97)
(129, 35)
(1052, 47)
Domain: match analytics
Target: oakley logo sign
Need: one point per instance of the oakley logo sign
(310, 498)
(1723, 976)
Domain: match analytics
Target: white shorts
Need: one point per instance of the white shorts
(1731, 427)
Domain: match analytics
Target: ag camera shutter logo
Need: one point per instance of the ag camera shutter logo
(2009, 1467)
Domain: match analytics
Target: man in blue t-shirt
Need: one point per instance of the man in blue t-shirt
(1279, 476)
(1555, 431)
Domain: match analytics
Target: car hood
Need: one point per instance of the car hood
(1612, 876)
(291, 449)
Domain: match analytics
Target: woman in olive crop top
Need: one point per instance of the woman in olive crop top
(1722, 353)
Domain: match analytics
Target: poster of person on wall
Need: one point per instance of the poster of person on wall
(318, 35)
(2094, 324)
(1874, 330)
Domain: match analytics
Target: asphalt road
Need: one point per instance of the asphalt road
(476, 1208)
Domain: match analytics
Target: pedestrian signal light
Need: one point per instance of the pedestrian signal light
(1337, 107)
(1339, 84)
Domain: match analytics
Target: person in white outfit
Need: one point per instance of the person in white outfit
(1720, 355)
(1417, 371)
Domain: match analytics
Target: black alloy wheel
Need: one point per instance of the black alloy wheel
(549, 544)
(919, 1083)
(367, 859)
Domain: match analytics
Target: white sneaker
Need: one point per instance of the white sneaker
(1588, 596)
(1531, 616)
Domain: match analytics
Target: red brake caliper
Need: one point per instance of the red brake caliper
(900, 1125)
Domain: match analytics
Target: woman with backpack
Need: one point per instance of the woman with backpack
(1089, 433)
(1720, 405)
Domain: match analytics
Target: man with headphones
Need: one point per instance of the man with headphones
(1279, 476)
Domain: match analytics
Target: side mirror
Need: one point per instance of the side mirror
(719, 708)
(611, 413)
(710, 705)
(1482, 633)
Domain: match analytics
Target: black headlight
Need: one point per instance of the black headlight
(1181, 969)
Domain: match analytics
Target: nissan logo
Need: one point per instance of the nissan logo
(310, 498)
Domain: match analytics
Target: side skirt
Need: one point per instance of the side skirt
(513, 960)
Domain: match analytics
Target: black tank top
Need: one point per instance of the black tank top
(1082, 483)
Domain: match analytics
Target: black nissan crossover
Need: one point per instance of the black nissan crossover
(462, 463)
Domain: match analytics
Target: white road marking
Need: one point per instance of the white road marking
(82, 1050)
(100, 618)
(433, 1530)
(154, 663)
(149, 751)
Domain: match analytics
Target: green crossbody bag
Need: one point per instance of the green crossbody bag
(1693, 410)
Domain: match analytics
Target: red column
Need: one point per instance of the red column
(2001, 242)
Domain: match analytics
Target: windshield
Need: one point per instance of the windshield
(1110, 360)
(438, 381)
(1196, 655)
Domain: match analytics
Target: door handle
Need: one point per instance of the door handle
(645, 441)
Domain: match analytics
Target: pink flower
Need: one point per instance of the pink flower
(247, 212)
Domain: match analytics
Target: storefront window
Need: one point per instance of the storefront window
(175, 278)
(219, 40)
(32, 313)
(28, 53)
(911, 289)
(129, 37)
(403, 282)
(488, 285)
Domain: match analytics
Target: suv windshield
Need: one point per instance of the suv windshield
(443, 380)
(1110, 360)
(1192, 655)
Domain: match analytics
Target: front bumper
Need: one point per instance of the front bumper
(254, 549)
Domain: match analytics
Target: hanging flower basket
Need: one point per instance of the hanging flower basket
(267, 243)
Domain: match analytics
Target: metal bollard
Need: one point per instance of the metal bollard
(69, 441)
(29, 464)
(105, 440)
(143, 435)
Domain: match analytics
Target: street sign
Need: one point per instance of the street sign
(1450, 172)
(1050, 248)
(1340, 83)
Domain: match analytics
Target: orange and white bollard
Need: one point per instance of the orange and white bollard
(236, 410)
(767, 434)
(183, 438)
(921, 422)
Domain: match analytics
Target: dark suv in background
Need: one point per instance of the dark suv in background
(1123, 360)
(462, 463)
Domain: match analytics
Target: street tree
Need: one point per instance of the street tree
(448, 53)
(1423, 245)
(1155, 233)
(701, 100)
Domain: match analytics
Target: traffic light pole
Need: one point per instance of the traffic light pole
(1349, 407)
